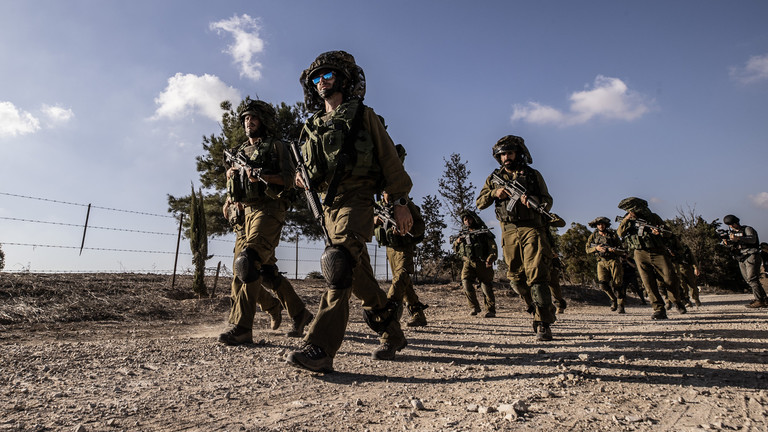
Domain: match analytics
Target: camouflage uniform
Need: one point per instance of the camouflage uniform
(524, 240)
(610, 272)
(351, 130)
(686, 269)
(400, 254)
(476, 253)
(650, 254)
(265, 207)
(747, 247)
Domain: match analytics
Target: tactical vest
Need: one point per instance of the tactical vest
(264, 155)
(645, 240)
(520, 214)
(479, 248)
(610, 239)
(326, 139)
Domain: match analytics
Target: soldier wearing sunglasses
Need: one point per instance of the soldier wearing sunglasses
(349, 157)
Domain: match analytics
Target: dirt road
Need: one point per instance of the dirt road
(706, 370)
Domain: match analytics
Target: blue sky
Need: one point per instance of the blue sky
(105, 102)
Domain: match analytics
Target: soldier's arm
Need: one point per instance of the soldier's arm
(589, 249)
(545, 197)
(487, 195)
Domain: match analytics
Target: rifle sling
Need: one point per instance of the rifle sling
(346, 154)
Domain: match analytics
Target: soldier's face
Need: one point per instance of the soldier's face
(601, 227)
(467, 221)
(508, 158)
(252, 124)
(325, 78)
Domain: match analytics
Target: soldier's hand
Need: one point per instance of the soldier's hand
(600, 248)
(501, 193)
(377, 220)
(403, 218)
(231, 172)
(299, 181)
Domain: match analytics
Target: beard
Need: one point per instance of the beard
(329, 91)
(255, 133)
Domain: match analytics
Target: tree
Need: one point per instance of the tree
(198, 241)
(212, 168)
(430, 254)
(579, 266)
(455, 187)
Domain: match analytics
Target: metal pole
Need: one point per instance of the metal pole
(216, 279)
(296, 271)
(176, 261)
(85, 228)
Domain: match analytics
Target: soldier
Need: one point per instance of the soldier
(476, 245)
(688, 271)
(629, 281)
(643, 231)
(400, 253)
(349, 156)
(764, 257)
(557, 267)
(524, 240)
(260, 198)
(744, 240)
(606, 245)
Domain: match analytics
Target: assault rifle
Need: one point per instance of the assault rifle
(385, 213)
(642, 224)
(465, 233)
(609, 248)
(241, 162)
(313, 201)
(516, 191)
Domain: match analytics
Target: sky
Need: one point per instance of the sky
(106, 103)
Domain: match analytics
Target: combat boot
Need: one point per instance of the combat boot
(669, 305)
(311, 357)
(237, 335)
(543, 333)
(387, 350)
(681, 308)
(418, 319)
(561, 305)
(698, 302)
(621, 309)
(614, 305)
(659, 315)
(474, 312)
(275, 317)
(490, 314)
(299, 322)
(757, 304)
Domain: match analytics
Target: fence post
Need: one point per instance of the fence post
(216, 279)
(85, 228)
(176, 260)
(296, 271)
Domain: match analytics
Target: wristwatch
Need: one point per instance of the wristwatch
(402, 201)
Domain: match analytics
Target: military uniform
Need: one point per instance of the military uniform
(747, 248)
(686, 270)
(610, 272)
(265, 207)
(477, 252)
(524, 241)
(349, 150)
(650, 254)
(400, 254)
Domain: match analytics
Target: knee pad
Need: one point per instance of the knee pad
(245, 266)
(378, 320)
(336, 264)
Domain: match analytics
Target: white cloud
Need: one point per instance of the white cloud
(247, 43)
(14, 121)
(609, 98)
(755, 70)
(760, 200)
(191, 94)
(57, 115)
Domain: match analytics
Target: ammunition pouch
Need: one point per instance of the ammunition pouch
(336, 264)
(380, 319)
(245, 266)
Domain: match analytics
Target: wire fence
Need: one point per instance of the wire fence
(296, 259)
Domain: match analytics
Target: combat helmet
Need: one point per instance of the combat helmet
(598, 220)
(512, 143)
(730, 220)
(477, 222)
(264, 111)
(633, 204)
(352, 76)
(557, 221)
